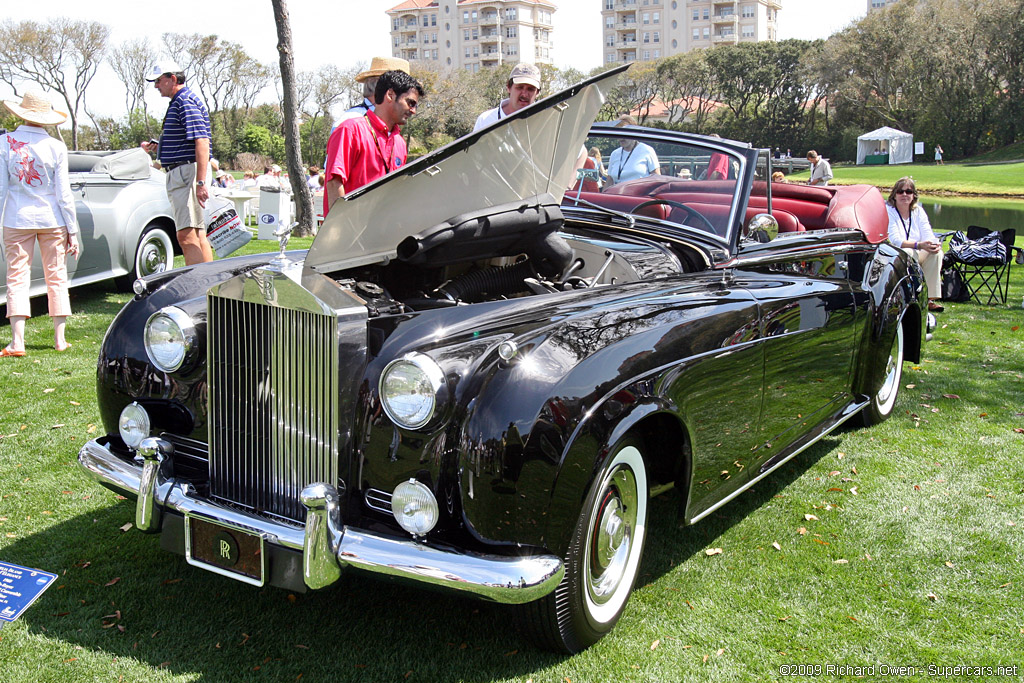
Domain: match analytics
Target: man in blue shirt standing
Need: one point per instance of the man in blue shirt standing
(184, 152)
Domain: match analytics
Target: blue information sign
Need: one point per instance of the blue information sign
(19, 588)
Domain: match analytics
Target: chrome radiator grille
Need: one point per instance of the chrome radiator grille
(273, 397)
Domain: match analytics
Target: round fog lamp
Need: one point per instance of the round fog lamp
(414, 507)
(134, 425)
(170, 334)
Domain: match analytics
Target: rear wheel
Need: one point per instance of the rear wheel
(603, 559)
(884, 399)
(154, 254)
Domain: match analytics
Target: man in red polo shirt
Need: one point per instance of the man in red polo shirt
(364, 148)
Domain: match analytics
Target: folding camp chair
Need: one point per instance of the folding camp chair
(987, 274)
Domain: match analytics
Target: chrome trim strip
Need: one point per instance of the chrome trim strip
(498, 578)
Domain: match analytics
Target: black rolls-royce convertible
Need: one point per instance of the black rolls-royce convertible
(489, 360)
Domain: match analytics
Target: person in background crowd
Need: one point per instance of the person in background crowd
(362, 149)
(313, 181)
(595, 154)
(36, 207)
(223, 180)
(523, 86)
(249, 180)
(821, 171)
(778, 177)
(631, 159)
(184, 150)
(938, 155)
(910, 230)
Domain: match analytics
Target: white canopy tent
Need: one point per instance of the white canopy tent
(897, 144)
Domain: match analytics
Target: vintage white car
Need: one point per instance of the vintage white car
(125, 218)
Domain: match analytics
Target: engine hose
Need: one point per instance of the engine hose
(496, 281)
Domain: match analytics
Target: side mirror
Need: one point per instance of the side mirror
(762, 228)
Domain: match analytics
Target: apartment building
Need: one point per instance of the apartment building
(645, 30)
(471, 34)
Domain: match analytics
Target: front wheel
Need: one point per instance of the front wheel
(602, 562)
(884, 399)
(154, 254)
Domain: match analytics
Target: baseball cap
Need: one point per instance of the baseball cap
(525, 73)
(167, 66)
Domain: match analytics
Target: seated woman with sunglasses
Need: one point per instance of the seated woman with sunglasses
(910, 230)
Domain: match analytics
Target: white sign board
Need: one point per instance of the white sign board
(918, 148)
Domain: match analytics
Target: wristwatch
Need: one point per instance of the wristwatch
(200, 183)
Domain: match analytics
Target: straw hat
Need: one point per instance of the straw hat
(35, 108)
(378, 65)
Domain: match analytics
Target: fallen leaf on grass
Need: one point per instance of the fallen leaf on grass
(776, 546)
(91, 429)
(126, 527)
(1019, 430)
(170, 581)
(49, 391)
(786, 618)
(950, 396)
(720, 652)
(713, 551)
(853, 490)
(818, 540)
(112, 581)
(654, 645)
(835, 488)
(810, 518)
(802, 531)
(932, 597)
(840, 562)
(949, 564)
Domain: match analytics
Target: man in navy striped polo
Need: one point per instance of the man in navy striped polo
(184, 152)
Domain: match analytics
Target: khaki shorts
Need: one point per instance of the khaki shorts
(181, 192)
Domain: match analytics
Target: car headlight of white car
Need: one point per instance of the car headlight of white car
(170, 337)
(412, 390)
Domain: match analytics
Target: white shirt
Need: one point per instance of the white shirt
(490, 116)
(917, 229)
(639, 162)
(35, 192)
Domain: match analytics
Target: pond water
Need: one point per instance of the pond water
(994, 214)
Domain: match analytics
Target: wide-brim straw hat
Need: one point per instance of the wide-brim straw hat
(378, 65)
(35, 108)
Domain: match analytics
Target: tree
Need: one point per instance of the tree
(61, 55)
(293, 146)
(130, 62)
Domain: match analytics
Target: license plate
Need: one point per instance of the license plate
(224, 549)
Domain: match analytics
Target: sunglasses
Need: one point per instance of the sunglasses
(906, 191)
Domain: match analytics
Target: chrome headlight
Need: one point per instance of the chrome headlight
(170, 335)
(134, 425)
(411, 390)
(414, 506)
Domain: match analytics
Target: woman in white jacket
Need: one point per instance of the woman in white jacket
(36, 206)
(910, 230)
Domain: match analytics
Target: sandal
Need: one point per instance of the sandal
(935, 307)
(7, 353)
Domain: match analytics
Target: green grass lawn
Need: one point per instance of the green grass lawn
(994, 179)
(897, 545)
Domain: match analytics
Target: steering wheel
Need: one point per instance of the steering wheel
(678, 205)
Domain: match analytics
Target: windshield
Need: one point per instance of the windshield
(687, 182)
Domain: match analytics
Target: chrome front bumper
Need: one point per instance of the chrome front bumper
(326, 544)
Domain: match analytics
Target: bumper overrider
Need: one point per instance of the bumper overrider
(326, 544)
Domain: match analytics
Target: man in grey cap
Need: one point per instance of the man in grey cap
(523, 87)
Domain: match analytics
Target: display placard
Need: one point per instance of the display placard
(19, 588)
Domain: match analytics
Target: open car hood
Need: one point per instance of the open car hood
(532, 152)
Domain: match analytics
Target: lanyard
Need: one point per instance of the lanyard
(908, 225)
(376, 141)
(623, 162)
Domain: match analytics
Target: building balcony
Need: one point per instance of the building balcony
(488, 19)
(727, 39)
(627, 44)
(490, 37)
(725, 19)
